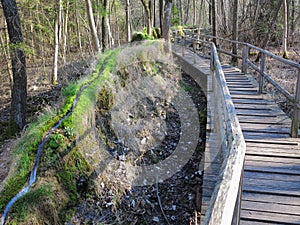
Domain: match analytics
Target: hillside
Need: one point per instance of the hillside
(112, 146)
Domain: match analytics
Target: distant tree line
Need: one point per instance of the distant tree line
(53, 33)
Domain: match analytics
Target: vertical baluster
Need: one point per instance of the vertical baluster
(245, 58)
(296, 114)
(194, 49)
(261, 73)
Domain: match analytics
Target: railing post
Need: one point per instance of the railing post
(182, 46)
(194, 49)
(220, 49)
(212, 63)
(245, 58)
(237, 210)
(261, 73)
(296, 114)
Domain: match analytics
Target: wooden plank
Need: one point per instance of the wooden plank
(264, 120)
(274, 187)
(252, 101)
(284, 160)
(289, 147)
(272, 152)
(251, 222)
(256, 106)
(242, 89)
(280, 141)
(277, 218)
(274, 126)
(261, 167)
(258, 135)
(243, 93)
(278, 199)
(249, 97)
(266, 162)
(271, 207)
(269, 177)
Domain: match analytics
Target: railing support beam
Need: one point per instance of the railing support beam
(261, 73)
(296, 115)
(245, 57)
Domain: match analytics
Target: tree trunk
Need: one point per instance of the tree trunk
(292, 24)
(6, 52)
(271, 28)
(148, 16)
(214, 20)
(166, 25)
(19, 91)
(224, 17)
(104, 28)
(295, 20)
(194, 13)
(111, 40)
(234, 59)
(78, 30)
(285, 29)
(127, 9)
(66, 21)
(161, 15)
(93, 28)
(200, 16)
(56, 42)
(187, 12)
(181, 12)
(154, 13)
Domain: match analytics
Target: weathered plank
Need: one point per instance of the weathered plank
(269, 217)
(271, 183)
(274, 199)
(273, 159)
(271, 207)
(269, 177)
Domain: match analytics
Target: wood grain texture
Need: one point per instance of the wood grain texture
(271, 183)
(271, 180)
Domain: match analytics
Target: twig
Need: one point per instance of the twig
(159, 202)
(296, 52)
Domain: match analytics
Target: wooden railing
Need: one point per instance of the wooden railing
(224, 206)
(203, 41)
(225, 202)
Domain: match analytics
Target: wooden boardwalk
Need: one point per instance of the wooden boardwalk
(271, 182)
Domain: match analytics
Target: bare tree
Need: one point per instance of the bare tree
(18, 62)
(224, 16)
(271, 27)
(167, 24)
(234, 59)
(214, 20)
(93, 29)
(161, 15)
(127, 9)
(285, 29)
(147, 7)
(57, 30)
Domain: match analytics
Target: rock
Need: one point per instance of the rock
(155, 219)
(144, 141)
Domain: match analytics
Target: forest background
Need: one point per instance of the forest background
(64, 35)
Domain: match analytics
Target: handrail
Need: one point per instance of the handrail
(225, 202)
(246, 62)
(224, 205)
